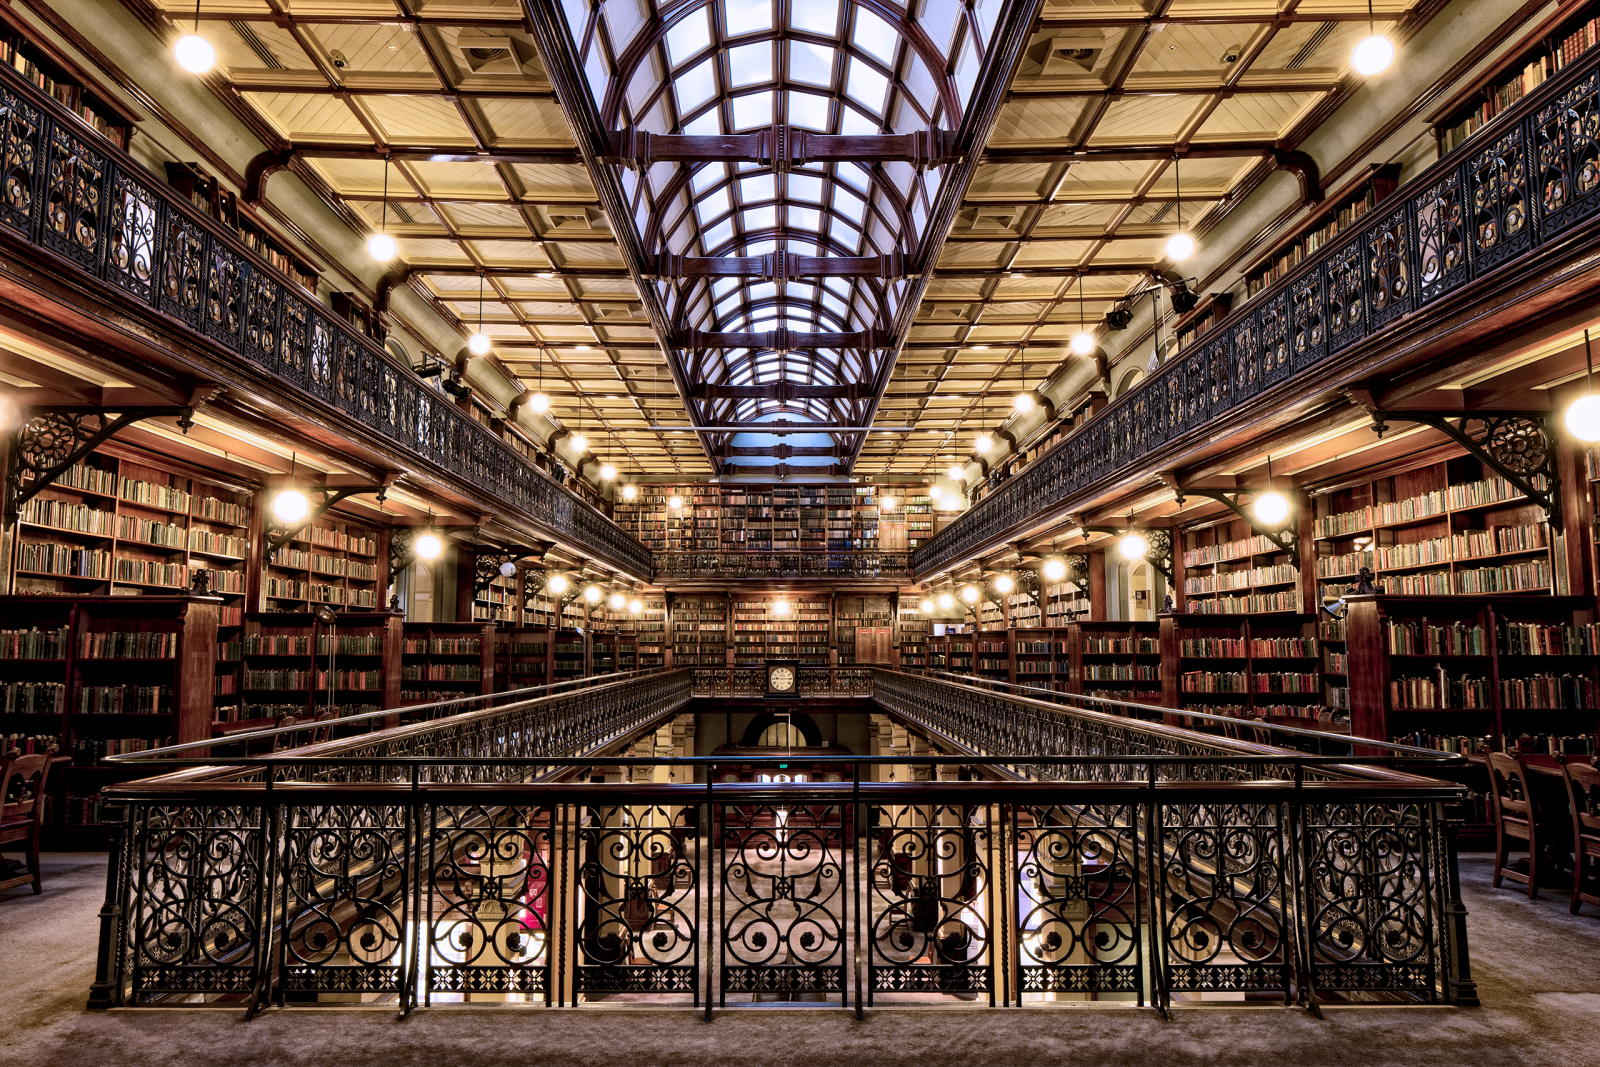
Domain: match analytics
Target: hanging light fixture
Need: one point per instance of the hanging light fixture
(955, 473)
(1055, 569)
(607, 472)
(635, 607)
(1003, 583)
(194, 52)
(970, 594)
(380, 246)
(674, 501)
(478, 343)
(1583, 414)
(1024, 399)
(1271, 507)
(580, 443)
(538, 401)
(886, 503)
(1373, 53)
(629, 492)
(1180, 246)
(983, 443)
(936, 491)
(618, 601)
(428, 546)
(557, 584)
(780, 606)
(926, 606)
(592, 594)
(1083, 340)
(290, 505)
(1133, 545)
(946, 601)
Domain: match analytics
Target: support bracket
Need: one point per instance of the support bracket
(278, 536)
(1520, 446)
(1284, 539)
(486, 568)
(51, 440)
(1159, 538)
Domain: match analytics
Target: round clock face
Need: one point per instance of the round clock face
(781, 679)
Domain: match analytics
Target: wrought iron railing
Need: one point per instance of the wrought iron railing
(96, 211)
(889, 566)
(812, 681)
(1527, 179)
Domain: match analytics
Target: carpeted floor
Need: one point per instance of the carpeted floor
(1538, 971)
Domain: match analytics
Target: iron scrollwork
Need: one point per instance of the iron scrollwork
(1520, 447)
(50, 441)
(639, 899)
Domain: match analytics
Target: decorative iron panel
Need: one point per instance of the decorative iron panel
(1272, 335)
(1567, 139)
(1498, 175)
(225, 277)
(74, 197)
(1439, 216)
(21, 130)
(195, 918)
(930, 900)
(183, 257)
(783, 900)
(487, 914)
(639, 890)
(131, 240)
(1344, 301)
(261, 319)
(1388, 267)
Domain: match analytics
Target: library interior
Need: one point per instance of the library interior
(525, 515)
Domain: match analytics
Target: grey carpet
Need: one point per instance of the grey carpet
(1538, 970)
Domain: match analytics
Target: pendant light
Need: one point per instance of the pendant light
(1024, 399)
(1083, 340)
(1180, 246)
(194, 52)
(1133, 544)
(1373, 53)
(478, 343)
(1271, 507)
(580, 443)
(290, 505)
(428, 546)
(538, 401)
(1583, 414)
(1055, 569)
(380, 246)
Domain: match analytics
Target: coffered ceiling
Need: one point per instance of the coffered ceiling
(1067, 210)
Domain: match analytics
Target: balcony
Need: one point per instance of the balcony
(92, 212)
(892, 567)
(1517, 191)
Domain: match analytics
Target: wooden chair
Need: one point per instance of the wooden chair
(22, 785)
(1583, 793)
(1514, 818)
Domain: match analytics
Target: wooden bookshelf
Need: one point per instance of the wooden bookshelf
(1335, 215)
(1229, 569)
(290, 663)
(699, 631)
(1193, 325)
(46, 67)
(337, 560)
(851, 616)
(446, 660)
(1114, 660)
(1251, 667)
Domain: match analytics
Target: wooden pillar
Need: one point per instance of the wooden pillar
(1573, 566)
(466, 575)
(1097, 586)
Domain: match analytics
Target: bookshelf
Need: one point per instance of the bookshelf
(913, 639)
(524, 656)
(336, 560)
(446, 660)
(51, 72)
(1254, 667)
(1336, 214)
(1462, 673)
(1193, 325)
(760, 633)
(1439, 529)
(851, 616)
(100, 675)
(569, 655)
(289, 663)
(207, 193)
(699, 631)
(1229, 569)
(1115, 660)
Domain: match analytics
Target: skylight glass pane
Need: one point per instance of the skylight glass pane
(846, 236)
(808, 110)
(752, 111)
(874, 36)
(818, 16)
(835, 305)
(750, 64)
(689, 37)
(764, 291)
(848, 204)
(810, 63)
(761, 218)
(718, 235)
(708, 123)
(805, 187)
(866, 85)
(713, 206)
(760, 248)
(723, 286)
(727, 307)
(694, 86)
(707, 176)
(756, 189)
(803, 248)
(855, 122)
(805, 218)
(747, 16)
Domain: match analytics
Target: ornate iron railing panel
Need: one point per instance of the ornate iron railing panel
(930, 900)
(82, 198)
(487, 913)
(1530, 177)
(639, 885)
(866, 566)
(784, 907)
(1081, 906)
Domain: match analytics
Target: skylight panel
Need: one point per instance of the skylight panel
(761, 218)
(689, 37)
(747, 16)
(708, 123)
(707, 176)
(717, 236)
(848, 204)
(760, 248)
(764, 291)
(801, 291)
(854, 177)
(808, 110)
(866, 85)
(713, 206)
(695, 86)
(723, 286)
(835, 305)
(804, 187)
(818, 16)
(855, 122)
(752, 111)
(750, 64)
(756, 189)
(802, 248)
(847, 237)
(810, 63)
(874, 36)
(804, 218)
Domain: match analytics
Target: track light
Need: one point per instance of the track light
(291, 505)
(557, 584)
(428, 546)
(1133, 546)
(1183, 300)
(1055, 569)
(1118, 318)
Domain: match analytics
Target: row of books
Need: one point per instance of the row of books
(33, 644)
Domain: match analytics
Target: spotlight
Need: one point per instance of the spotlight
(592, 594)
(557, 584)
(1004, 584)
(946, 601)
(970, 594)
(607, 472)
(478, 344)
(194, 53)
(456, 388)
(1118, 318)
(983, 443)
(617, 602)
(539, 403)
(1271, 508)
(1055, 570)
(927, 607)
(629, 492)
(1180, 246)
(1133, 546)
(381, 247)
(1183, 300)
(291, 505)
(1372, 55)
(429, 546)
(507, 569)
(1082, 343)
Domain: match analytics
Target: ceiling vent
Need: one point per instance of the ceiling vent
(993, 218)
(1074, 53)
(620, 311)
(570, 218)
(485, 53)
